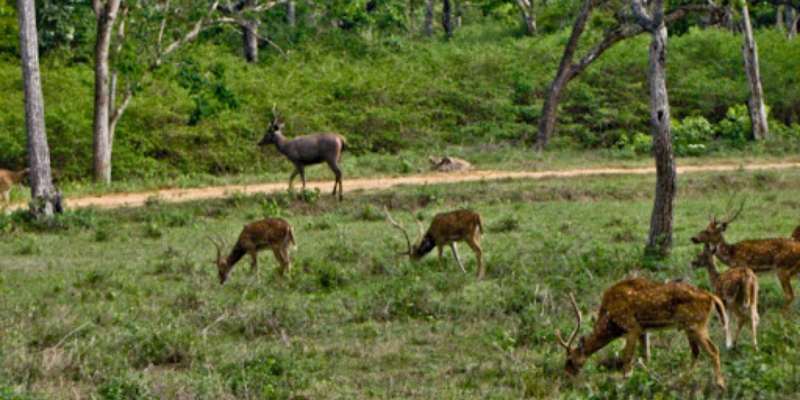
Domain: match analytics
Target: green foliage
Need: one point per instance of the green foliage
(691, 136)
(736, 128)
(267, 376)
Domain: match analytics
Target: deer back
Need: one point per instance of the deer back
(734, 285)
(454, 226)
(316, 148)
(761, 254)
(270, 232)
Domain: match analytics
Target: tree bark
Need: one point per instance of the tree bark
(250, 38)
(795, 25)
(428, 27)
(528, 16)
(447, 19)
(291, 14)
(779, 17)
(547, 121)
(459, 13)
(659, 241)
(758, 111)
(105, 16)
(45, 200)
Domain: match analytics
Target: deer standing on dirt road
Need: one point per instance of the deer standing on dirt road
(633, 306)
(761, 255)
(273, 233)
(737, 288)
(308, 150)
(446, 229)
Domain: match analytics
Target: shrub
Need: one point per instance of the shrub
(735, 128)
(691, 136)
(267, 376)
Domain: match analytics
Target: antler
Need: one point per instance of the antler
(219, 243)
(400, 228)
(568, 344)
(732, 218)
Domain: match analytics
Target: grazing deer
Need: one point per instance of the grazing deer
(446, 229)
(273, 233)
(738, 289)
(761, 255)
(308, 150)
(8, 179)
(449, 164)
(633, 306)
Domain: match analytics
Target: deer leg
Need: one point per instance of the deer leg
(695, 348)
(631, 339)
(754, 320)
(287, 261)
(475, 245)
(7, 196)
(711, 349)
(291, 180)
(303, 177)
(440, 249)
(338, 173)
(740, 318)
(279, 257)
(785, 276)
(458, 259)
(253, 262)
(644, 340)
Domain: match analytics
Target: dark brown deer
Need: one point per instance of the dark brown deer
(761, 255)
(446, 229)
(633, 306)
(738, 289)
(272, 233)
(8, 179)
(796, 234)
(308, 150)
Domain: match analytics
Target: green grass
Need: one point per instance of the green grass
(126, 303)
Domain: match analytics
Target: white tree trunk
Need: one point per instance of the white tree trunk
(428, 27)
(758, 111)
(528, 16)
(44, 197)
(105, 16)
(291, 14)
(250, 38)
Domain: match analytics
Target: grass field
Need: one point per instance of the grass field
(125, 304)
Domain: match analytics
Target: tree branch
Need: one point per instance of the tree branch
(189, 36)
(642, 16)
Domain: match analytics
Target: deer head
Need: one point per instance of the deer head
(222, 263)
(411, 248)
(704, 258)
(713, 233)
(575, 355)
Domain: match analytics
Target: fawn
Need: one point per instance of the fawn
(738, 289)
(446, 229)
(633, 306)
(308, 150)
(761, 255)
(273, 233)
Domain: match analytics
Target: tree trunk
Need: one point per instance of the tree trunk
(459, 13)
(45, 201)
(795, 25)
(447, 19)
(250, 37)
(291, 14)
(660, 239)
(528, 16)
(758, 111)
(547, 121)
(779, 18)
(428, 28)
(105, 14)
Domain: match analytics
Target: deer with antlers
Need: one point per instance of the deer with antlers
(761, 255)
(738, 289)
(272, 233)
(8, 179)
(307, 150)
(634, 306)
(446, 229)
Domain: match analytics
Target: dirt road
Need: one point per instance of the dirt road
(180, 195)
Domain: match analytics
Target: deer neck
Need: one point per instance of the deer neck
(281, 142)
(713, 275)
(595, 342)
(725, 252)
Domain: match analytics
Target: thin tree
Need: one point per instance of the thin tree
(568, 69)
(447, 18)
(528, 15)
(659, 241)
(291, 13)
(428, 25)
(45, 200)
(108, 110)
(758, 110)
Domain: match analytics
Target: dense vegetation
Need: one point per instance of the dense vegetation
(127, 305)
(388, 89)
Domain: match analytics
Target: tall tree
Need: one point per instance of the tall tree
(447, 18)
(651, 19)
(568, 69)
(428, 25)
(108, 110)
(45, 200)
(291, 13)
(758, 110)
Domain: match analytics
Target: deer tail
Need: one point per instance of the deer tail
(480, 223)
(723, 317)
(345, 145)
(291, 238)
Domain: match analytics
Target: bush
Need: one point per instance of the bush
(691, 136)
(735, 129)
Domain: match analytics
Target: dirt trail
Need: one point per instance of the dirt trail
(117, 200)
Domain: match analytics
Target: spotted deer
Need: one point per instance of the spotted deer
(8, 179)
(307, 150)
(446, 229)
(781, 255)
(634, 306)
(272, 233)
(738, 289)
